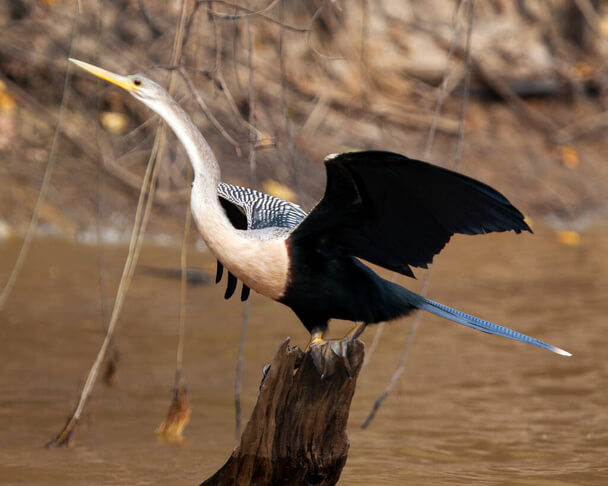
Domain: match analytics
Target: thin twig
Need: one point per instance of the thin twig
(444, 84)
(372, 347)
(135, 244)
(582, 127)
(179, 358)
(238, 7)
(290, 143)
(591, 16)
(235, 61)
(425, 285)
(467, 88)
(313, 19)
(50, 166)
(238, 382)
(364, 67)
(250, 12)
(111, 364)
(127, 273)
(219, 75)
(179, 409)
(235, 110)
(251, 103)
(156, 31)
(188, 26)
(205, 108)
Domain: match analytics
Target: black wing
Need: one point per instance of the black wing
(395, 212)
(250, 209)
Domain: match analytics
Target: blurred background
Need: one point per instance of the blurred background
(275, 86)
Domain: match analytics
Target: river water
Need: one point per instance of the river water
(470, 408)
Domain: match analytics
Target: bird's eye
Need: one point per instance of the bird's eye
(137, 82)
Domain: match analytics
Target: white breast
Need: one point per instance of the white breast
(262, 265)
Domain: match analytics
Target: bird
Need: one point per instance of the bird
(378, 207)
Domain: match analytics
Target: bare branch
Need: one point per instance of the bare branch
(249, 12)
(205, 108)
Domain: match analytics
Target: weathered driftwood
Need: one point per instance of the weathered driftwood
(297, 432)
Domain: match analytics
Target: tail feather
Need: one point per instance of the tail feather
(484, 326)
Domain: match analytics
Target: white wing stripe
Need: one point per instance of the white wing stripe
(262, 210)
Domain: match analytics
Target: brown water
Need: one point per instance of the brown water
(470, 409)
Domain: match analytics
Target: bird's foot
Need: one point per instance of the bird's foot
(326, 355)
(316, 339)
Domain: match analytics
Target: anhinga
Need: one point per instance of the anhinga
(381, 207)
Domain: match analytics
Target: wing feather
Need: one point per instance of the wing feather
(398, 212)
(261, 210)
(250, 209)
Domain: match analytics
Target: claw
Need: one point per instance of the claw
(340, 349)
(355, 332)
(316, 353)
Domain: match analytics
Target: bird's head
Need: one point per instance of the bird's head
(141, 88)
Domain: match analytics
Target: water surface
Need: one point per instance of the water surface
(470, 408)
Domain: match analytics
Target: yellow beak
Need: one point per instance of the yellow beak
(123, 81)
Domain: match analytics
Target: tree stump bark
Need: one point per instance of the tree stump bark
(297, 432)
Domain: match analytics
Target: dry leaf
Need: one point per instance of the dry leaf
(569, 156)
(178, 417)
(570, 238)
(265, 140)
(7, 102)
(584, 70)
(114, 122)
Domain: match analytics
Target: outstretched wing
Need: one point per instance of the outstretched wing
(250, 209)
(395, 212)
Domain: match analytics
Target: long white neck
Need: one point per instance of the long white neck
(263, 265)
(203, 161)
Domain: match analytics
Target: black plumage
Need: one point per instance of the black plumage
(378, 206)
(384, 208)
(395, 212)
(392, 211)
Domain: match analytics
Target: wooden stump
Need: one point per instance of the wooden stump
(297, 432)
